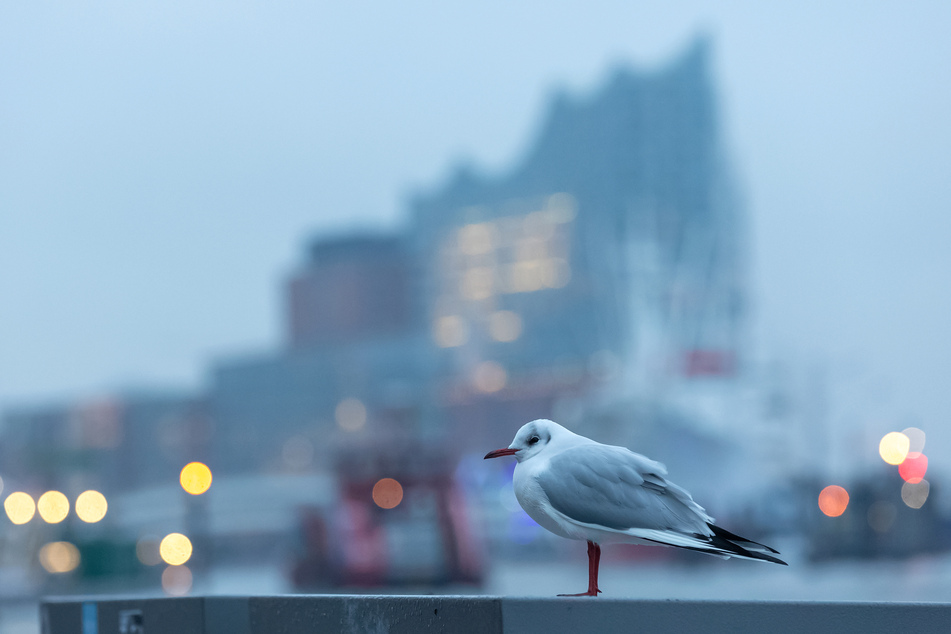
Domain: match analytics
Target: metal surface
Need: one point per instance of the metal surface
(299, 614)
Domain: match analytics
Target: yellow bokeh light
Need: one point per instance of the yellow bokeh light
(91, 506)
(450, 331)
(505, 325)
(175, 549)
(20, 507)
(833, 500)
(894, 447)
(176, 581)
(195, 478)
(350, 414)
(387, 493)
(53, 507)
(59, 557)
(147, 550)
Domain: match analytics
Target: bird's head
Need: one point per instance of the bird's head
(531, 439)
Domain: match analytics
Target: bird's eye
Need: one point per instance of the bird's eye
(532, 440)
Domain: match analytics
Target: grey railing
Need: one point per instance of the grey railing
(300, 614)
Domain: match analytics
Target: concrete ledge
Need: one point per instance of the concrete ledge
(299, 614)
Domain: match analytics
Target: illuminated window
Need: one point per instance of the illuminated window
(477, 283)
(476, 239)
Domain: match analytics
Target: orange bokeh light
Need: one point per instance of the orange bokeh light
(387, 493)
(914, 467)
(833, 500)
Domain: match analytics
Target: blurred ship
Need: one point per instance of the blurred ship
(410, 528)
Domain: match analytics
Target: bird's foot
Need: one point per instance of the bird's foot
(589, 593)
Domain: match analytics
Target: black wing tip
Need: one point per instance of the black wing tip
(728, 541)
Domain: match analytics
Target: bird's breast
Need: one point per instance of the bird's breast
(534, 501)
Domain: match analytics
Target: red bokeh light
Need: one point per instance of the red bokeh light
(914, 468)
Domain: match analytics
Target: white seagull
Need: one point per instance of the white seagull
(580, 489)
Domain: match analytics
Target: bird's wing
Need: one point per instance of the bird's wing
(615, 488)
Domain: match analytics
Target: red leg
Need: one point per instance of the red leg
(594, 561)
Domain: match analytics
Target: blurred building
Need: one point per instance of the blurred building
(599, 281)
(354, 367)
(608, 261)
(351, 289)
(114, 444)
(603, 272)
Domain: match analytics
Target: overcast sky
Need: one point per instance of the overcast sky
(162, 164)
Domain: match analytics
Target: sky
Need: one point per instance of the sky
(162, 165)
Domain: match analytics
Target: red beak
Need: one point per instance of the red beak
(500, 452)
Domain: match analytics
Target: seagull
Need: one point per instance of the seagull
(580, 489)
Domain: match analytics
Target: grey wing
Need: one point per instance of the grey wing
(619, 489)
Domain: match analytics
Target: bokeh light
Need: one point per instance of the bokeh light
(881, 516)
(489, 377)
(914, 468)
(20, 507)
(833, 500)
(387, 493)
(59, 557)
(915, 494)
(147, 550)
(894, 447)
(91, 506)
(916, 439)
(176, 581)
(175, 549)
(351, 414)
(195, 478)
(53, 507)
